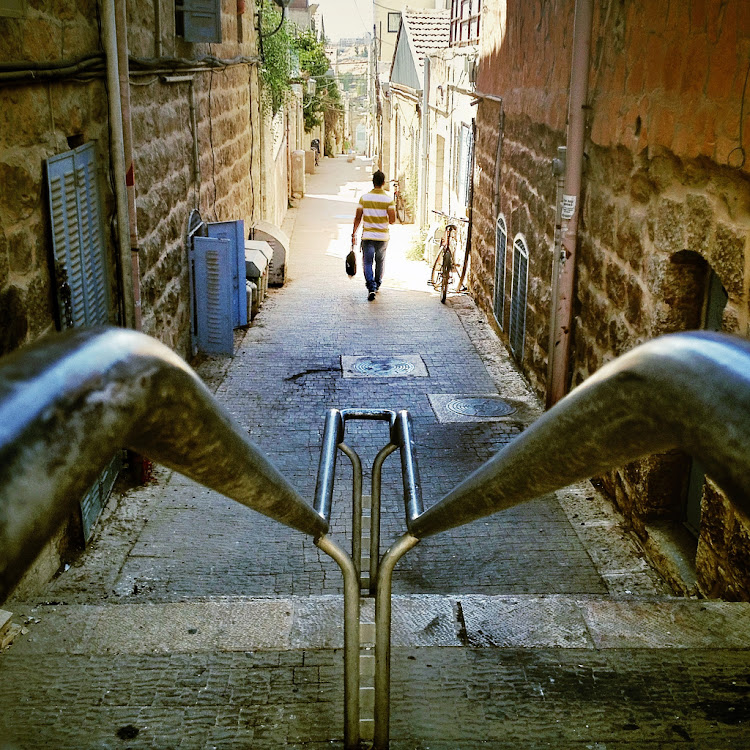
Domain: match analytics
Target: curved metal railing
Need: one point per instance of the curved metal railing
(68, 403)
(684, 390)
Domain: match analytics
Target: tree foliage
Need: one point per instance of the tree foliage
(291, 54)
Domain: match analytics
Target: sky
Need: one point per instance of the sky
(346, 18)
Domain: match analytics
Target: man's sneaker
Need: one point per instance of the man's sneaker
(371, 296)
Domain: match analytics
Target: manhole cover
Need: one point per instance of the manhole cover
(383, 366)
(480, 406)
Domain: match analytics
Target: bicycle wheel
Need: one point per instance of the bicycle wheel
(437, 270)
(446, 273)
(400, 209)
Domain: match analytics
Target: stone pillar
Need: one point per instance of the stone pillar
(298, 173)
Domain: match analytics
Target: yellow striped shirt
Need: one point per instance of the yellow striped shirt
(375, 205)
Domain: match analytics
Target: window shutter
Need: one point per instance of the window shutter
(234, 231)
(501, 242)
(93, 259)
(78, 246)
(201, 20)
(213, 298)
(517, 331)
(81, 278)
(66, 249)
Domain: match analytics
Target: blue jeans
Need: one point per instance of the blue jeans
(373, 250)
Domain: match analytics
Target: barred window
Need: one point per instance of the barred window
(465, 20)
(517, 325)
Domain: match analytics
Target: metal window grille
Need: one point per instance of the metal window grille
(465, 21)
(517, 326)
(501, 242)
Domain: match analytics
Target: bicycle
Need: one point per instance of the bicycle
(398, 199)
(448, 268)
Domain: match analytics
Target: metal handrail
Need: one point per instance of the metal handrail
(68, 403)
(685, 390)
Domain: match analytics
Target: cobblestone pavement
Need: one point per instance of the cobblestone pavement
(194, 622)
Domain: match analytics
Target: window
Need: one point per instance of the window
(394, 21)
(517, 325)
(465, 19)
(501, 242)
(198, 20)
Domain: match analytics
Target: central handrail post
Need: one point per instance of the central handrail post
(383, 639)
(377, 467)
(351, 640)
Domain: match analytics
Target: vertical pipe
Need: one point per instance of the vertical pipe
(383, 639)
(425, 172)
(121, 30)
(196, 154)
(558, 169)
(117, 154)
(158, 48)
(351, 641)
(579, 85)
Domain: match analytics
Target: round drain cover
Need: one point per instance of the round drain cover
(383, 366)
(480, 406)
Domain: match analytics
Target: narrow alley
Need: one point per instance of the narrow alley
(194, 622)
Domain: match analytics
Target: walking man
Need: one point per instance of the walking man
(376, 211)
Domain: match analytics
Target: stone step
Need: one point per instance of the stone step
(240, 624)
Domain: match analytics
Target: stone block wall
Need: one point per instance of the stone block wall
(665, 201)
(42, 119)
(38, 121)
(228, 186)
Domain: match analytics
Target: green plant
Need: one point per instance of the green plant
(314, 64)
(275, 49)
(415, 251)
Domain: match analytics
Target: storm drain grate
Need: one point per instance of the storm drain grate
(455, 407)
(396, 366)
(480, 406)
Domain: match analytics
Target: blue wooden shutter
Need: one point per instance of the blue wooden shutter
(78, 245)
(213, 295)
(81, 278)
(234, 231)
(501, 243)
(93, 258)
(66, 243)
(517, 328)
(201, 20)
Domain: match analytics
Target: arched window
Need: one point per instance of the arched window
(501, 242)
(517, 327)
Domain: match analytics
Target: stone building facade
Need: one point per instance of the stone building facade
(664, 228)
(187, 99)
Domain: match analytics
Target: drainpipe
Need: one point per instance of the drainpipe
(579, 82)
(121, 30)
(117, 155)
(425, 144)
(558, 169)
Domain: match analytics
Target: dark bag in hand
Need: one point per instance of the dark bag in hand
(351, 263)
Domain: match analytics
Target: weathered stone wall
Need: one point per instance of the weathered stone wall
(229, 146)
(38, 121)
(665, 198)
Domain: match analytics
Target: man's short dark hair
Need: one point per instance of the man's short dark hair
(378, 178)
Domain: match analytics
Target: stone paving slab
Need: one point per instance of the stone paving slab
(441, 697)
(284, 624)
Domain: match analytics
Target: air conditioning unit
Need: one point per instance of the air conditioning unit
(471, 69)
